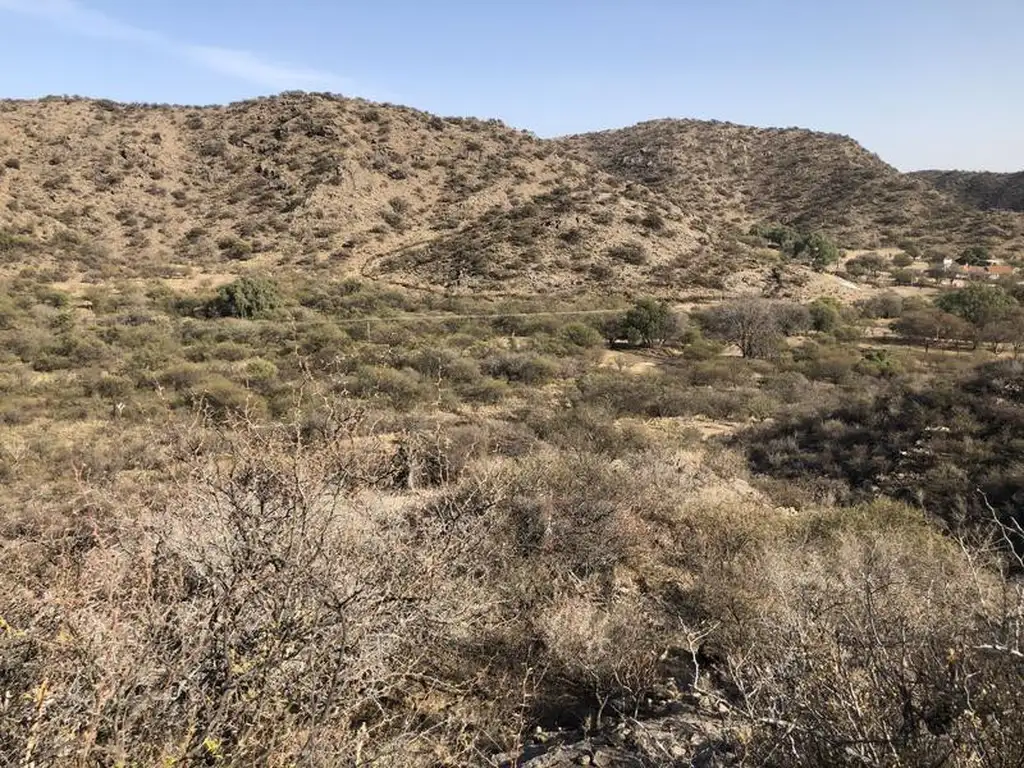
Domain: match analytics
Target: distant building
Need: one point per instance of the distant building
(1000, 270)
(991, 272)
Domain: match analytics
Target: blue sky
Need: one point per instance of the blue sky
(925, 83)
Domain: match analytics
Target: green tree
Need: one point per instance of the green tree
(903, 277)
(887, 305)
(978, 304)
(818, 250)
(868, 263)
(785, 238)
(826, 314)
(975, 256)
(581, 335)
(648, 323)
(247, 297)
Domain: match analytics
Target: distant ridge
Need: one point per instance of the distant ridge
(92, 190)
(984, 190)
(740, 174)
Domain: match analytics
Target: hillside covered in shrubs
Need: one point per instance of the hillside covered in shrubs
(336, 433)
(94, 190)
(296, 522)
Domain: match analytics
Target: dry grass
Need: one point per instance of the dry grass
(374, 526)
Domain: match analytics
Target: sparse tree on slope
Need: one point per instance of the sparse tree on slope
(752, 325)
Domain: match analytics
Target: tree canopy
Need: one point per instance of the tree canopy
(975, 256)
(978, 304)
(817, 249)
(246, 297)
(648, 323)
(930, 325)
(752, 325)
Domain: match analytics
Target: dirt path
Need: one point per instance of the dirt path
(629, 362)
(479, 316)
(364, 265)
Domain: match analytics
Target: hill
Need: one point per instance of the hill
(287, 481)
(987, 191)
(92, 190)
(732, 176)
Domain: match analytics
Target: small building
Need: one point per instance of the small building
(999, 270)
(991, 272)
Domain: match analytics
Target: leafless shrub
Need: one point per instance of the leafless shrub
(752, 325)
(265, 613)
(867, 649)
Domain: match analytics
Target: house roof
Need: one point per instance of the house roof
(995, 269)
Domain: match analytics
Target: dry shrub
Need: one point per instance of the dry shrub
(267, 614)
(556, 543)
(606, 653)
(593, 511)
(590, 429)
(522, 368)
(434, 455)
(268, 596)
(864, 646)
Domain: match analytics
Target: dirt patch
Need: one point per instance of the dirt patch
(629, 362)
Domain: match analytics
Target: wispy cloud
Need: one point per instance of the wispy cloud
(240, 64)
(248, 66)
(72, 15)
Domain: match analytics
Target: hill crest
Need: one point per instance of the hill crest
(92, 190)
(979, 189)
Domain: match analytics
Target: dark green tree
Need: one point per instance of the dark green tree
(817, 249)
(777, 234)
(975, 256)
(649, 323)
(247, 297)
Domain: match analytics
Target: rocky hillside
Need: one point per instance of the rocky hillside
(93, 190)
(988, 191)
(731, 176)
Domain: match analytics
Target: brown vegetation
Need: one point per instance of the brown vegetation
(273, 495)
(734, 176)
(987, 191)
